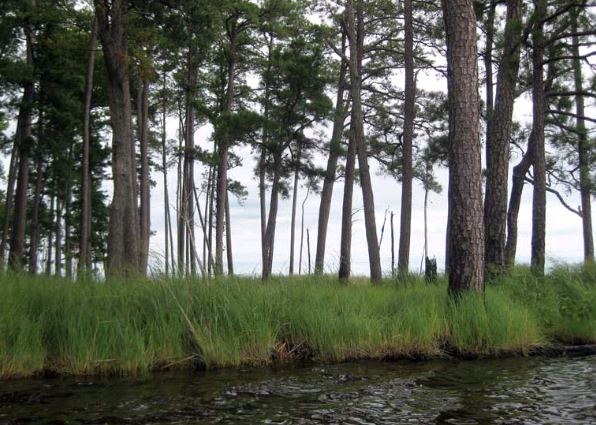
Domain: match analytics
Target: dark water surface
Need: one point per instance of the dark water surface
(529, 391)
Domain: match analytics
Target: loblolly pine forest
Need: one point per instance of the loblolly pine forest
(101, 101)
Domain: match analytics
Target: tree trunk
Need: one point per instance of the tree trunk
(583, 149)
(187, 201)
(68, 231)
(180, 205)
(263, 154)
(262, 201)
(538, 153)
(85, 230)
(222, 164)
(425, 249)
(68, 216)
(341, 106)
(403, 261)
(355, 27)
(58, 237)
(466, 231)
(34, 232)
(144, 211)
(497, 146)
(211, 267)
(51, 229)
(207, 256)
(123, 232)
(294, 206)
(392, 247)
(346, 212)
(24, 143)
(229, 253)
(488, 62)
(10, 188)
(302, 231)
(166, 198)
(272, 219)
(308, 247)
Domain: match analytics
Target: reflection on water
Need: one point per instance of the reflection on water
(529, 391)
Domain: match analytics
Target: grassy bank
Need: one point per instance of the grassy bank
(136, 326)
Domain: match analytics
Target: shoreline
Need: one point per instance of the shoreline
(553, 351)
(52, 326)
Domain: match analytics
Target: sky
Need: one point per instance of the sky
(564, 243)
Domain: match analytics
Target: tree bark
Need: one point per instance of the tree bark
(58, 238)
(10, 188)
(68, 216)
(230, 256)
(34, 231)
(403, 261)
(187, 201)
(166, 198)
(263, 154)
(346, 212)
(85, 230)
(341, 106)
(583, 149)
(356, 37)
(308, 248)
(123, 232)
(466, 231)
(392, 247)
(294, 206)
(302, 231)
(48, 268)
(488, 62)
(272, 219)
(538, 151)
(497, 146)
(180, 206)
(24, 142)
(517, 187)
(262, 200)
(222, 164)
(144, 211)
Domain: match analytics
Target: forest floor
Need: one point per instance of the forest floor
(56, 326)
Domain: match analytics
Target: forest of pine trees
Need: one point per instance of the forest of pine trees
(320, 92)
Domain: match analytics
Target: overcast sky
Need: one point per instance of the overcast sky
(563, 233)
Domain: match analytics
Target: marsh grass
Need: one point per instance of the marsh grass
(136, 326)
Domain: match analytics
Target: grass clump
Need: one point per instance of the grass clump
(135, 326)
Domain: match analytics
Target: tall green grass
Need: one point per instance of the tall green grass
(132, 327)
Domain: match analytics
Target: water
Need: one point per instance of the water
(529, 391)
